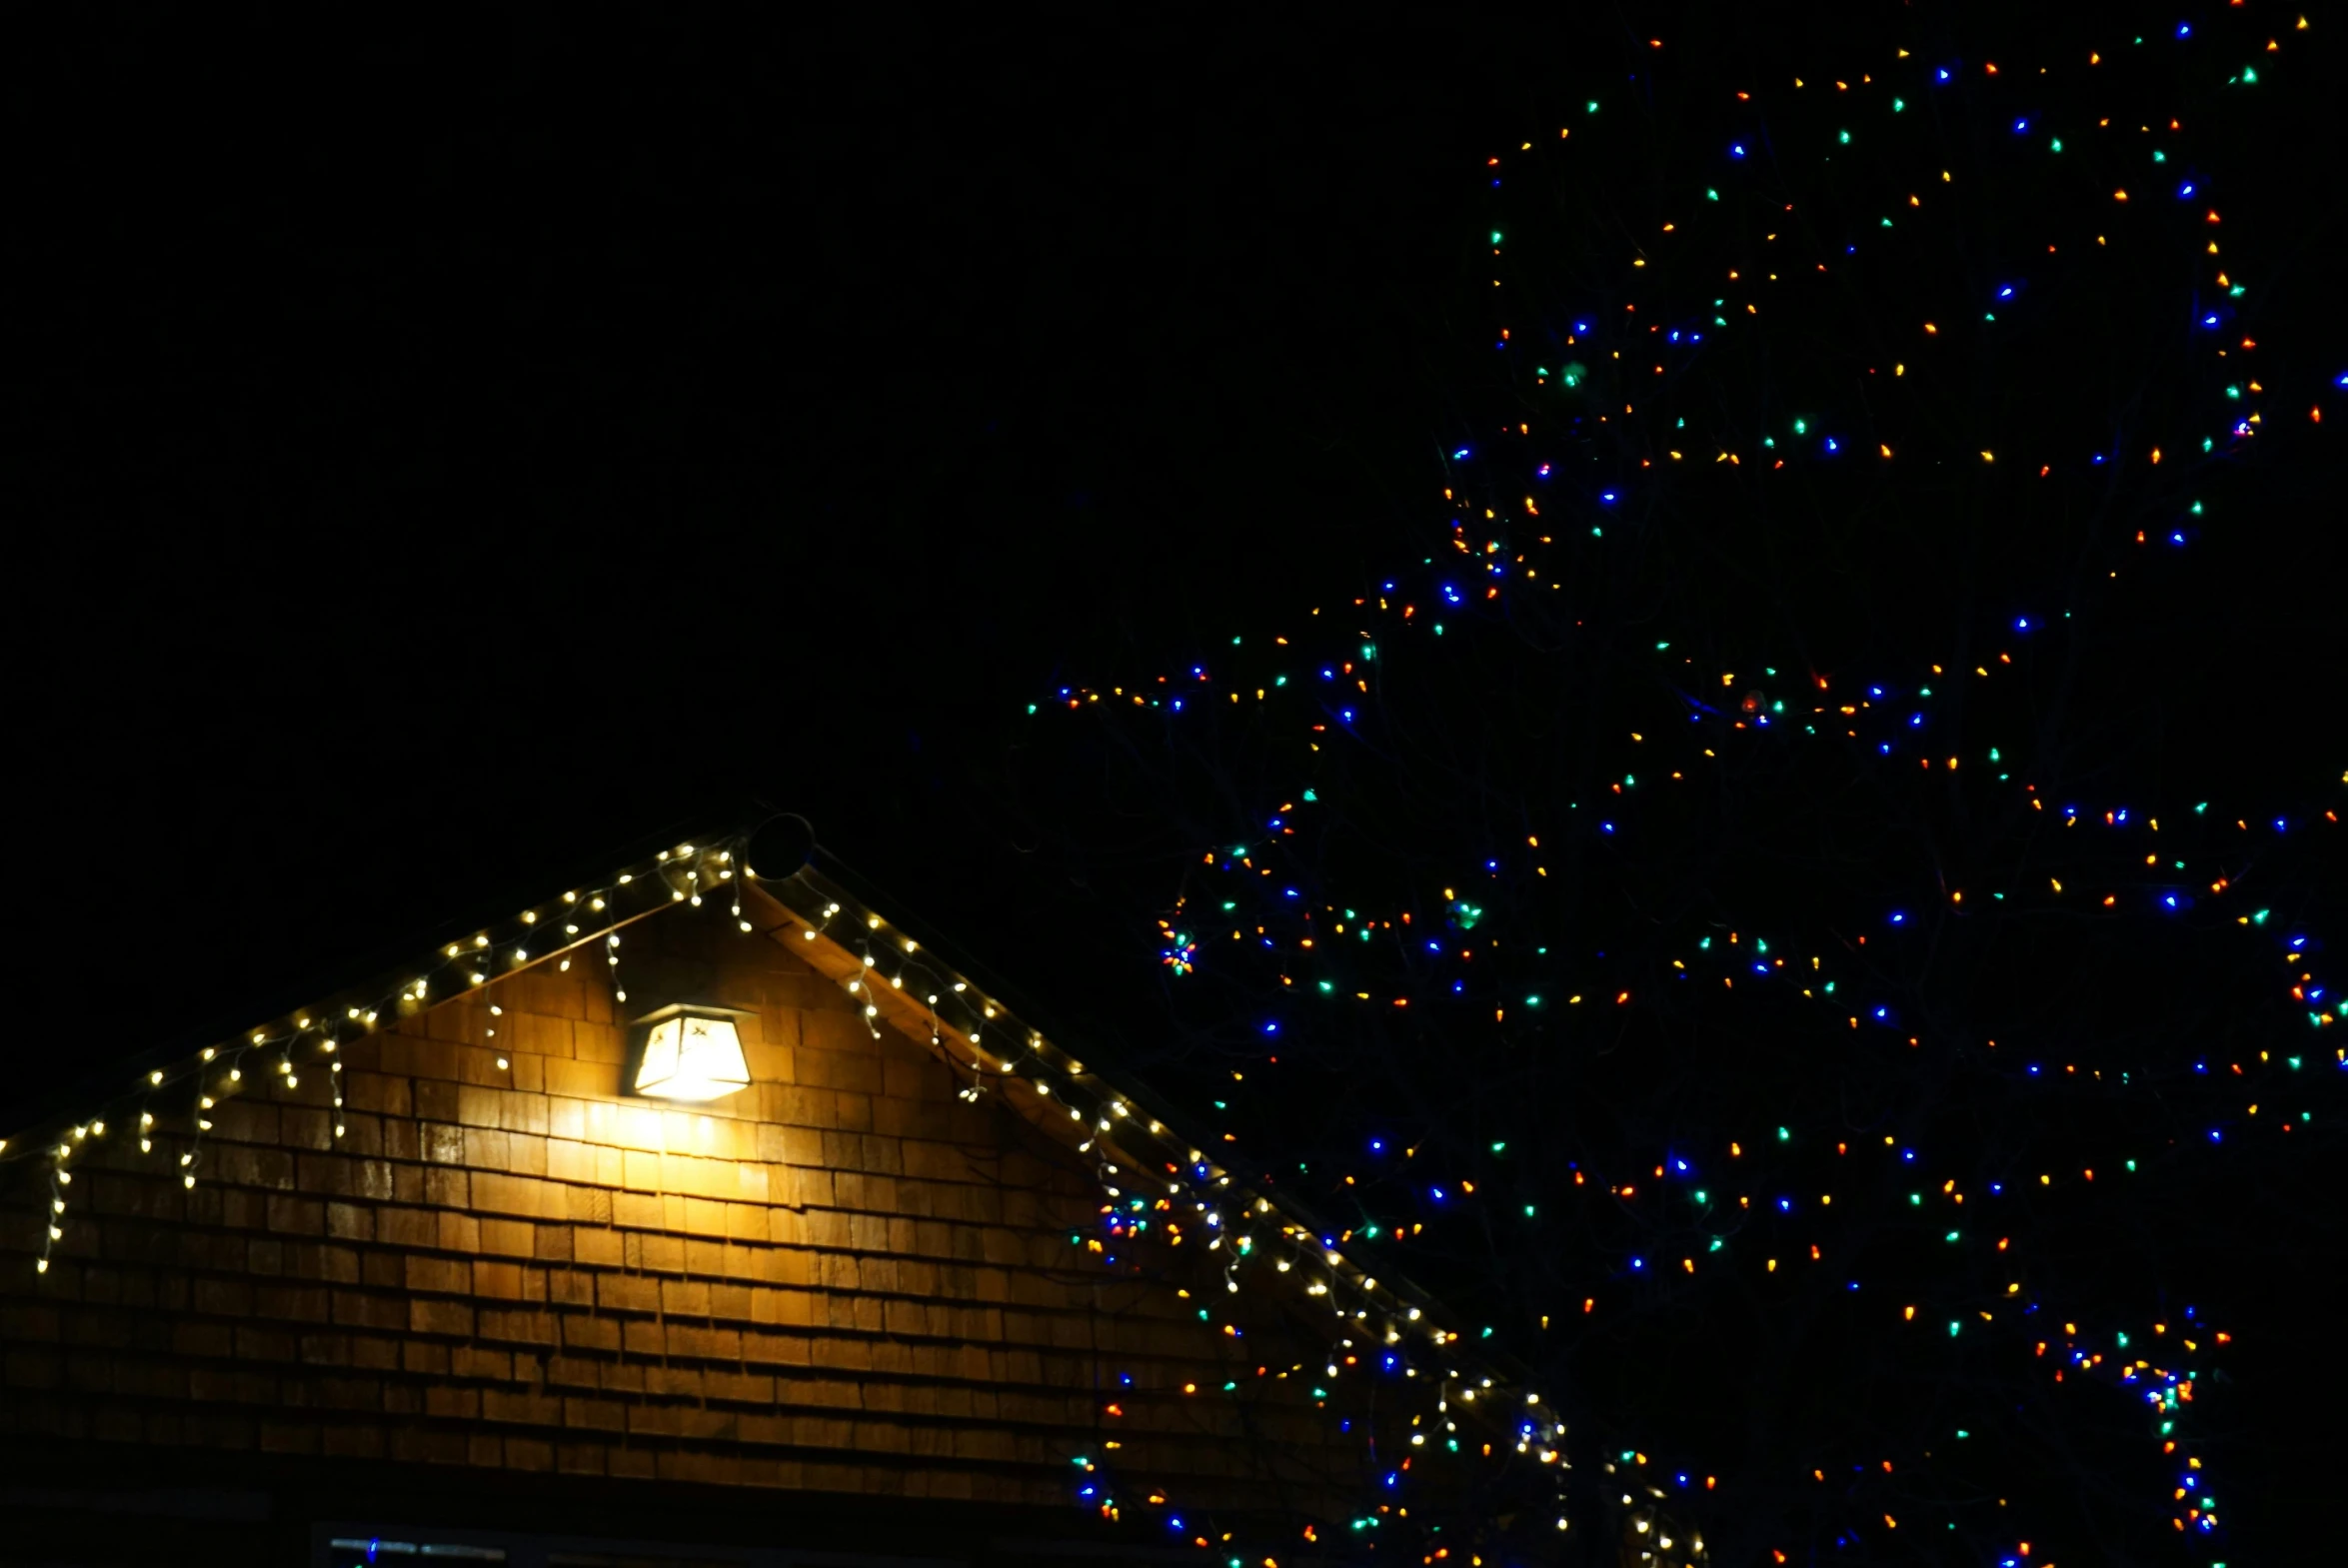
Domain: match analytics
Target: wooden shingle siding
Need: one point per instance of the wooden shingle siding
(842, 1279)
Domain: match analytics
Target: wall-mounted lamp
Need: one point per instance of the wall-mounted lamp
(691, 1052)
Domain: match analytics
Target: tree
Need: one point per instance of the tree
(1746, 914)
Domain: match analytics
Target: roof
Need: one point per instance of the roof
(900, 975)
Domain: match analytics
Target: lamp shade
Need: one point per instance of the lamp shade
(691, 1052)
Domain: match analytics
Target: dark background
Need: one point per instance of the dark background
(443, 451)
(438, 450)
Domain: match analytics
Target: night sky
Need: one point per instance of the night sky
(441, 454)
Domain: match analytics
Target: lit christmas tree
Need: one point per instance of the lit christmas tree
(1723, 916)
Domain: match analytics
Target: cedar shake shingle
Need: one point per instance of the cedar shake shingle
(841, 1278)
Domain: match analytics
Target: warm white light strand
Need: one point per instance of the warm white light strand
(473, 963)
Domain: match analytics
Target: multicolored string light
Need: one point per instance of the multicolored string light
(1293, 932)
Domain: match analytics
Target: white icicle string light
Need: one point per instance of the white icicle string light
(476, 960)
(474, 963)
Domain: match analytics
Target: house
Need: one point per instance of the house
(704, 1212)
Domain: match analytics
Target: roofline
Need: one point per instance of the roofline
(1241, 1185)
(1244, 1169)
(1037, 1015)
(103, 1081)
